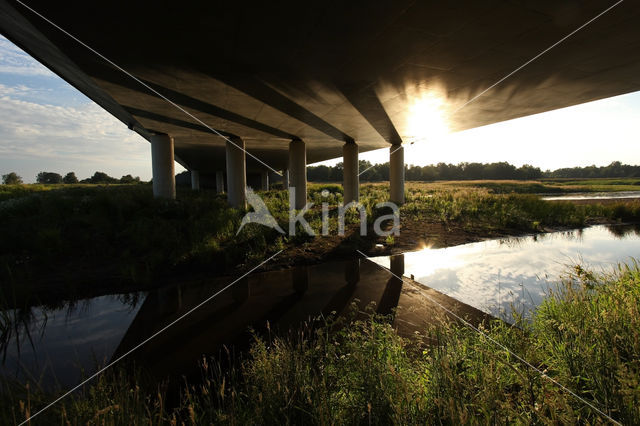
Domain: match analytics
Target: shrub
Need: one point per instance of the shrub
(11, 179)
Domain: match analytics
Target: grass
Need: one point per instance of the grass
(72, 235)
(554, 186)
(480, 209)
(585, 335)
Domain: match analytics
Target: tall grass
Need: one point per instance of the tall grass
(80, 234)
(357, 370)
(585, 335)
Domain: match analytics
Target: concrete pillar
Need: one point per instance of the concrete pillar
(391, 296)
(300, 279)
(264, 180)
(298, 171)
(396, 173)
(241, 290)
(396, 265)
(195, 180)
(285, 178)
(164, 180)
(219, 182)
(352, 271)
(350, 180)
(236, 174)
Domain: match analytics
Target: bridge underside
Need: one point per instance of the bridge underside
(327, 72)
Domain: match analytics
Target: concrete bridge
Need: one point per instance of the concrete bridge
(299, 82)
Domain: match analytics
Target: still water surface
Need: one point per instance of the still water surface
(498, 275)
(489, 276)
(594, 196)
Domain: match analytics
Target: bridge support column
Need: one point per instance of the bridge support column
(396, 173)
(351, 180)
(164, 180)
(298, 171)
(236, 174)
(264, 180)
(195, 180)
(219, 182)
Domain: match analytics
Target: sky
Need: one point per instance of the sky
(47, 125)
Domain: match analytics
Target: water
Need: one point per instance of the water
(99, 330)
(486, 277)
(54, 346)
(594, 196)
(498, 275)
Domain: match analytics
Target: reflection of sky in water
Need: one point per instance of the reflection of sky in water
(498, 274)
(79, 338)
(595, 196)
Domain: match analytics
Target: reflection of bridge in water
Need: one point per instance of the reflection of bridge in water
(284, 299)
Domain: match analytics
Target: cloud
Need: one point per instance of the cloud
(51, 135)
(14, 61)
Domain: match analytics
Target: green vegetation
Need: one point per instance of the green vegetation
(474, 171)
(441, 171)
(11, 179)
(75, 234)
(475, 207)
(551, 186)
(585, 335)
(48, 178)
(595, 185)
(613, 170)
(70, 178)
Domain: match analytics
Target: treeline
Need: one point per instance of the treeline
(471, 171)
(613, 170)
(70, 178)
(440, 171)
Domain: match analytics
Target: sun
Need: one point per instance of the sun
(427, 119)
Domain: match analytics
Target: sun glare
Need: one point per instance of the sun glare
(427, 119)
(432, 260)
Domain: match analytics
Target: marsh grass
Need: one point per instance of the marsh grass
(479, 208)
(552, 186)
(584, 335)
(357, 370)
(75, 234)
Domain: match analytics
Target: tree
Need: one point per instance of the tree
(129, 179)
(529, 172)
(101, 177)
(70, 178)
(48, 177)
(11, 179)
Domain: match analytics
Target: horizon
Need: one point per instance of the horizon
(47, 125)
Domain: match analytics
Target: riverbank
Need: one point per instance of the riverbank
(584, 338)
(67, 240)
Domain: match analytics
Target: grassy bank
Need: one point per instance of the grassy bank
(585, 336)
(79, 235)
(554, 185)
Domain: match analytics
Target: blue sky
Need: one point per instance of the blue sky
(47, 125)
